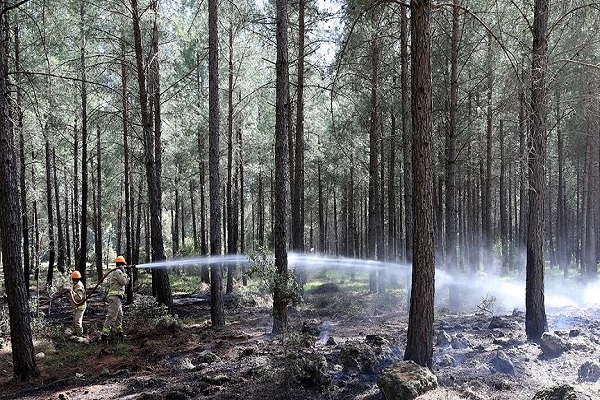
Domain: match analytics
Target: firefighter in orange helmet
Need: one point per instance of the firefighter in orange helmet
(78, 302)
(117, 280)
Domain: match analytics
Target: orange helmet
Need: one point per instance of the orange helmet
(76, 275)
(120, 259)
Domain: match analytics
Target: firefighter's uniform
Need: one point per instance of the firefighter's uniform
(78, 303)
(117, 280)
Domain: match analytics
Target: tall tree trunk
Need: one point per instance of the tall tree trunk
(504, 221)
(23, 358)
(67, 219)
(230, 189)
(50, 211)
(216, 284)
(60, 260)
(406, 136)
(419, 346)
(98, 236)
(535, 312)
(451, 161)
(561, 217)
(321, 207)
(81, 265)
(242, 205)
(126, 167)
(374, 217)
(22, 163)
(487, 224)
(281, 295)
(297, 195)
(152, 152)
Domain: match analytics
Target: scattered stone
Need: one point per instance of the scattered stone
(331, 341)
(63, 396)
(446, 360)
(40, 355)
(310, 369)
(574, 332)
(185, 364)
(358, 357)
(443, 339)
(459, 342)
(218, 379)
(311, 327)
(589, 371)
(208, 357)
(502, 363)
(552, 345)
(559, 392)
(498, 322)
(248, 351)
(405, 380)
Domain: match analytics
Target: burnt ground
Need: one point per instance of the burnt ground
(338, 345)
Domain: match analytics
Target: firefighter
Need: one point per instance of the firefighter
(78, 302)
(117, 280)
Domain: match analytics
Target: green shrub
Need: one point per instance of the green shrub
(146, 314)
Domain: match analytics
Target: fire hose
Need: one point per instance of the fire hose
(88, 293)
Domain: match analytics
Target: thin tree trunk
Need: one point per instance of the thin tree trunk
(561, 219)
(81, 265)
(22, 163)
(504, 221)
(50, 211)
(451, 160)
(297, 195)
(374, 218)
(126, 167)
(216, 284)
(60, 260)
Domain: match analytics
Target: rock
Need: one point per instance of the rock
(40, 355)
(552, 345)
(574, 332)
(446, 360)
(310, 369)
(442, 339)
(331, 341)
(559, 392)
(502, 363)
(358, 357)
(459, 342)
(498, 322)
(207, 357)
(63, 396)
(589, 371)
(405, 380)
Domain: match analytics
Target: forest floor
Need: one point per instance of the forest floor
(341, 340)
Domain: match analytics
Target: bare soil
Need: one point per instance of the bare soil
(190, 360)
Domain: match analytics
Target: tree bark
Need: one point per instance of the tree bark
(451, 160)
(49, 209)
(281, 295)
(216, 283)
(152, 152)
(297, 195)
(23, 358)
(60, 260)
(406, 136)
(419, 346)
(81, 265)
(22, 163)
(535, 313)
